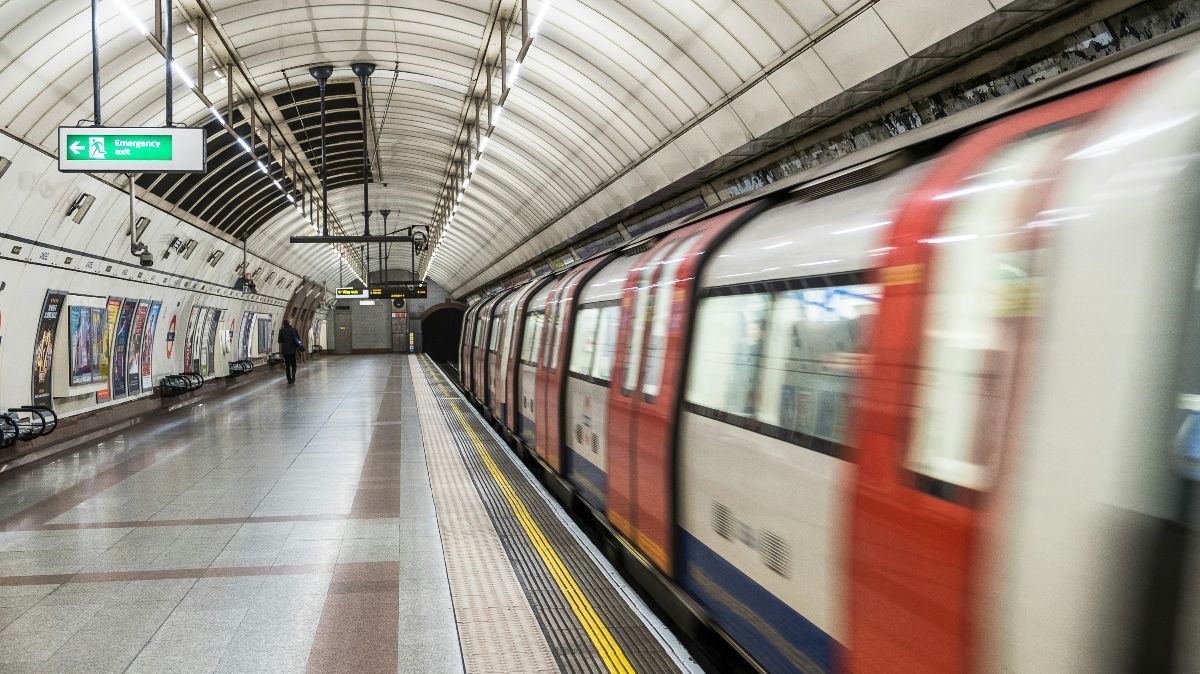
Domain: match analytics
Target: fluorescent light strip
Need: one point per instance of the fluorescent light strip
(178, 70)
(514, 74)
(132, 18)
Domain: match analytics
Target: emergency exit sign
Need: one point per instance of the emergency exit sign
(132, 150)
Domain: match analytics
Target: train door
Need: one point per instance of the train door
(558, 340)
(546, 364)
(526, 386)
(496, 351)
(483, 324)
(946, 384)
(512, 372)
(464, 345)
(644, 400)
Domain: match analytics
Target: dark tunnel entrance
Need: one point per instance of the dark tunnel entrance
(441, 327)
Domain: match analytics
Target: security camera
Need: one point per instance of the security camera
(146, 259)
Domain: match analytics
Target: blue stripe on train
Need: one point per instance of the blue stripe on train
(778, 637)
(527, 429)
(591, 481)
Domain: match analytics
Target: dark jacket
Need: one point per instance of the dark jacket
(288, 337)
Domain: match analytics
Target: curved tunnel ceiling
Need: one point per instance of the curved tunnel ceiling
(604, 85)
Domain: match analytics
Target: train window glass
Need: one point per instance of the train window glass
(583, 347)
(983, 286)
(724, 369)
(478, 341)
(606, 342)
(660, 316)
(641, 305)
(816, 348)
(551, 323)
(494, 337)
(559, 327)
(510, 320)
(533, 336)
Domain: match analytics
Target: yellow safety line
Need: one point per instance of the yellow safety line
(614, 658)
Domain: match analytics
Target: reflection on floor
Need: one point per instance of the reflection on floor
(279, 528)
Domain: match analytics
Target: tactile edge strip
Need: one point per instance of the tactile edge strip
(496, 624)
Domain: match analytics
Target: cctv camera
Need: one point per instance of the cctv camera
(146, 259)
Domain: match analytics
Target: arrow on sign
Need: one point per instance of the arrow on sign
(75, 147)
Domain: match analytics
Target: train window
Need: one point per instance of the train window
(584, 346)
(551, 323)
(506, 343)
(606, 342)
(533, 337)
(664, 295)
(729, 340)
(641, 305)
(559, 328)
(984, 282)
(494, 337)
(815, 350)
(478, 341)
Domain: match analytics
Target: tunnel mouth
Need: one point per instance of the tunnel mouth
(441, 328)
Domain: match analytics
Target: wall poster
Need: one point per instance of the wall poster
(133, 367)
(247, 326)
(120, 359)
(188, 365)
(199, 351)
(106, 348)
(214, 324)
(79, 326)
(148, 347)
(264, 336)
(43, 346)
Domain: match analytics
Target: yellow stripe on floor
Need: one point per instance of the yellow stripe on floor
(610, 652)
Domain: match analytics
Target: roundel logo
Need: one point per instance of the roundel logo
(171, 337)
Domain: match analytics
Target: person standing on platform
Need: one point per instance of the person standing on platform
(289, 346)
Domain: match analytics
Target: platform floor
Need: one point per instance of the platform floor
(362, 520)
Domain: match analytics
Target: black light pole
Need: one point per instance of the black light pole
(384, 253)
(321, 75)
(170, 46)
(364, 70)
(96, 66)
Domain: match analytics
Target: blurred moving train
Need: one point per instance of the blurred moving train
(936, 412)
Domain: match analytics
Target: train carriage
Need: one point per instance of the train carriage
(933, 414)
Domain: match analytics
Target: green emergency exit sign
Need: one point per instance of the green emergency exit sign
(120, 148)
(100, 149)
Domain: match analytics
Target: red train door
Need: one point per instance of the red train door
(942, 397)
(550, 334)
(550, 399)
(644, 399)
(464, 346)
(479, 362)
(512, 378)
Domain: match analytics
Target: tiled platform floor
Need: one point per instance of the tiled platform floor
(276, 529)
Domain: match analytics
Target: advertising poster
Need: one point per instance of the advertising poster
(188, 365)
(121, 348)
(43, 346)
(97, 342)
(133, 367)
(247, 326)
(106, 349)
(199, 352)
(171, 337)
(148, 347)
(79, 324)
(214, 324)
(264, 336)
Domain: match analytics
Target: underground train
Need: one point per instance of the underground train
(937, 411)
